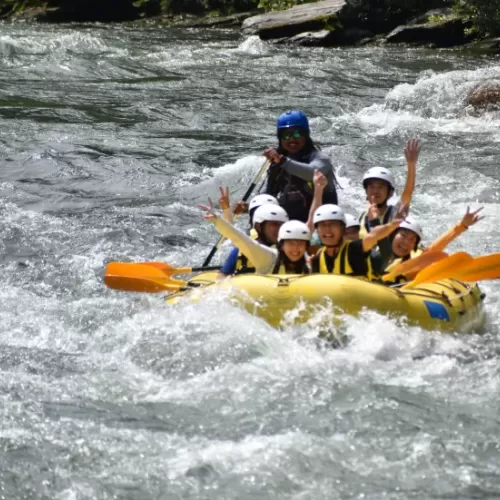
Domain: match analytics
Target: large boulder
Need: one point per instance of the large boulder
(485, 96)
(442, 32)
(300, 19)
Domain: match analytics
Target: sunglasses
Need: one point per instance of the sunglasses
(296, 134)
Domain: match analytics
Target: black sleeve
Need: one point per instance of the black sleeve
(357, 257)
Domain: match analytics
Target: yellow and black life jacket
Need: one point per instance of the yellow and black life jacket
(400, 278)
(363, 221)
(340, 264)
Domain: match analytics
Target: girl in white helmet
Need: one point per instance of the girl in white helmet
(235, 261)
(379, 186)
(289, 256)
(341, 256)
(406, 239)
(266, 220)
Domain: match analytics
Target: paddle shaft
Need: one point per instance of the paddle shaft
(247, 195)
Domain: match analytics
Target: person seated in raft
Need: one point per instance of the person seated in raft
(290, 176)
(352, 227)
(379, 186)
(341, 256)
(289, 256)
(267, 220)
(406, 239)
(235, 262)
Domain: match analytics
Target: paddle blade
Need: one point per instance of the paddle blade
(486, 267)
(131, 277)
(415, 265)
(134, 284)
(440, 270)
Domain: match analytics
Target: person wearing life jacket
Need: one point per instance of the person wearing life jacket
(340, 256)
(352, 228)
(379, 186)
(407, 238)
(290, 176)
(266, 221)
(289, 256)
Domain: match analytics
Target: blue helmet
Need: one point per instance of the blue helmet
(292, 118)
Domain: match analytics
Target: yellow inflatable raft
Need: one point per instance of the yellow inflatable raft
(447, 305)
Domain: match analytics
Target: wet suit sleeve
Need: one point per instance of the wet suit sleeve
(229, 266)
(357, 257)
(305, 171)
(264, 258)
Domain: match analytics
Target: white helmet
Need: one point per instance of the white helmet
(380, 173)
(269, 212)
(412, 225)
(351, 221)
(328, 212)
(294, 230)
(261, 199)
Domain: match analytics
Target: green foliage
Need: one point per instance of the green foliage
(484, 15)
(268, 5)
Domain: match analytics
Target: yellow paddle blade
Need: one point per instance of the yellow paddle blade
(485, 267)
(442, 269)
(414, 265)
(168, 269)
(132, 277)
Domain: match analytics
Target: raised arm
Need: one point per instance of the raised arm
(225, 204)
(379, 233)
(262, 257)
(320, 182)
(412, 150)
(469, 219)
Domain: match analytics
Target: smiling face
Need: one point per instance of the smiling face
(294, 249)
(377, 191)
(330, 232)
(293, 139)
(404, 242)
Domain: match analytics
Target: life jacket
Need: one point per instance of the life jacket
(363, 220)
(280, 268)
(243, 265)
(340, 263)
(401, 277)
(294, 194)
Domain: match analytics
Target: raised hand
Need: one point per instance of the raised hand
(224, 198)
(209, 210)
(373, 212)
(470, 218)
(402, 211)
(412, 150)
(319, 180)
(240, 207)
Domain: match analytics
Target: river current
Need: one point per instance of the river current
(109, 137)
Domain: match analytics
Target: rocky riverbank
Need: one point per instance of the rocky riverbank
(327, 23)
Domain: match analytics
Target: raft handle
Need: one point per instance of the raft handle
(283, 282)
(482, 296)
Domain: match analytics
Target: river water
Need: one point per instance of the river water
(109, 137)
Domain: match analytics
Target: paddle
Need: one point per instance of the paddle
(415, 265)
(442, 269)
(150, 277)
(247, 195)
(144, 285)
(485, 267)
